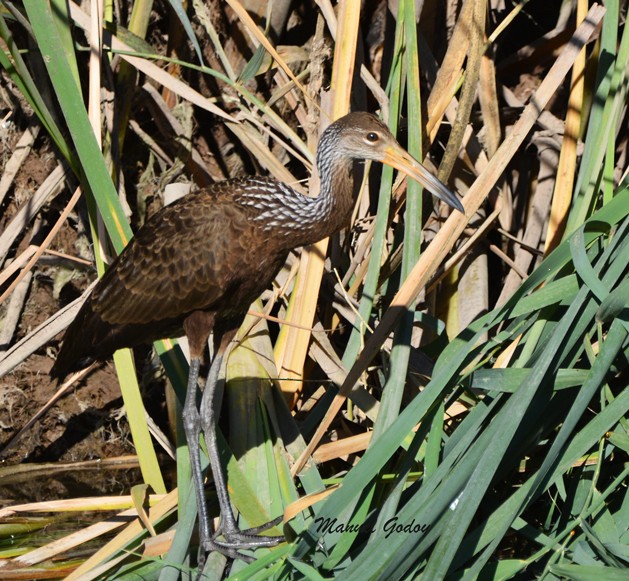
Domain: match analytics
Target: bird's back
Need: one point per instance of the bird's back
(206, 252)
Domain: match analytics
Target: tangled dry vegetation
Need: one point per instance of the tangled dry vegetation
(484, 356)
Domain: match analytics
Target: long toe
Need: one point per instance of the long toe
(245, 540)
(234, 537)
(265, 527)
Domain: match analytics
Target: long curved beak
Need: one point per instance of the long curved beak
(400, 159)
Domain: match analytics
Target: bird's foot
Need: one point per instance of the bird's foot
(234, 538)
(228, 542)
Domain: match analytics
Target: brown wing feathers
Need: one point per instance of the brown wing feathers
(168, 270)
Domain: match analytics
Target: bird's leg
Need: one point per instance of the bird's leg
(192, 428)
(234, 538)
(197, 327)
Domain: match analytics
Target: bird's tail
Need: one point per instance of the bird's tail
(89, 338)
(78, 343)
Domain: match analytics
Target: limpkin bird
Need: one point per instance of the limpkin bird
(198, 264)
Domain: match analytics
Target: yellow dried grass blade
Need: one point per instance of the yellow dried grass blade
(488, 99)
(139, 495)
(450, 72)
(345, 56)
(91, 504)
(566, 168)
(305, 502)
(342, 447)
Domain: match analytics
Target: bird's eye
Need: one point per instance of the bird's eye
(372, 137)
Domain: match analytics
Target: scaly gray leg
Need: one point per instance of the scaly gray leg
(234, 538)
(192, 428)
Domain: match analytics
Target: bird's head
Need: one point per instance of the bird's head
(361, 135)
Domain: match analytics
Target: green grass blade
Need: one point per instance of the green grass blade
(18, 71)
(94, 175)
(608, 102)
(136, 414)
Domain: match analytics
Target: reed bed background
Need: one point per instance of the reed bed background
(427, 394)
